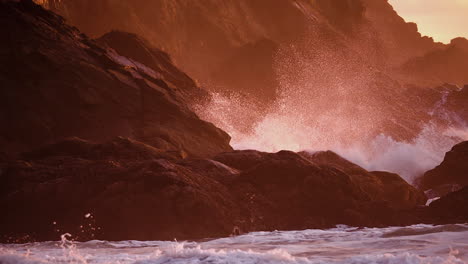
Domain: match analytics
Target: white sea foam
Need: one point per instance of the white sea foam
(332, 98)
(419, 244)
(293, 129)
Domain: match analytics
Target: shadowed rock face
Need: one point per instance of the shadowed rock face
(58, 83)
(287, 191)
(213, 33)
(450, 208)
(138, 49)
(348, 50)
(445, 65)
(135, 191)
(137, 165)
(132, 191)
(451, 174)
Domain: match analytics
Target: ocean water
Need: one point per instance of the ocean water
(395, 245)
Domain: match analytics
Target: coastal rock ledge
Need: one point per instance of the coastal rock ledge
(124, 189)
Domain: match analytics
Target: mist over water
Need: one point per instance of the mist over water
(330, 100)
(281, 130)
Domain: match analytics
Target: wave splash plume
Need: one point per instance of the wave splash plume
(329, 100)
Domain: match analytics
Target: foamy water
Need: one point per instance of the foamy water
(331, 98)
(396, 245)
(296, 129)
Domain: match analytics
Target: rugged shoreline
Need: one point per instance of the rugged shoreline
(104, 146)
(127, 190)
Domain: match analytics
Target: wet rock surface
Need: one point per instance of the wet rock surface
(99, 140)
(136, 191)
(450, 175)
(131, 190)
(58, 83)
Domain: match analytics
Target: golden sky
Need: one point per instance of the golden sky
(441, 19)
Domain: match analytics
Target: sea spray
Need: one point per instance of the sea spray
(285, 130)
(418, 244)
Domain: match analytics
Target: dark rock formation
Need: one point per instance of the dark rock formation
(135, 191)
(138, 49)
(129, 158)
(450, 175)
(131, 190)
(57, 83)
(214, 32)
(241, 159)
(452, 208)
(439, 66)
(348, 50)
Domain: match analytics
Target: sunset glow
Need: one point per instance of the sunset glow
(442, 20)
(233, 131)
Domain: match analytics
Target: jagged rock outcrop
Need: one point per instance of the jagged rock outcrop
(445, 65)
(124, 189)
(135, 164)
(287, 191)
(217, 31)
(57, 83)
(450, 175)
(451, 208)
(139, 49)
(325, 53)
(131, 191)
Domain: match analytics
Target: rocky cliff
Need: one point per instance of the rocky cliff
(357, 51)
(450, 175)
(99, 138)
(56, 83)
(135, 191)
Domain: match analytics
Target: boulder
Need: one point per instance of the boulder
(285, 190)
(450, 175)
(452, 208)
(117, 190)
(124, 189)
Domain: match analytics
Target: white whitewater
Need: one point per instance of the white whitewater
(396, 245)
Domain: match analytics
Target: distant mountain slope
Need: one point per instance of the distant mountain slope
(210, 32)
(56, 82)
(447, 64)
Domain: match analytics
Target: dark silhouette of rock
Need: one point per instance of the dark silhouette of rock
(348, 50)
(124, 189)
(445, 65)
(57, 83)
(241, 159)
(136, 191)
(450, 175)
(285, 190)
(129, 159)
(132, 191)
(452, 208)
(138, 49)
(217, 33)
